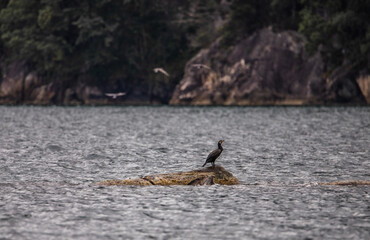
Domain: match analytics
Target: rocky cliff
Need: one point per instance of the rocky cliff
(267, 68)
(19, 85)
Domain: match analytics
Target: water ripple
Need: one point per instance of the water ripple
(51, 156)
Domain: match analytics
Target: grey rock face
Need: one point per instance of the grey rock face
(265, 68)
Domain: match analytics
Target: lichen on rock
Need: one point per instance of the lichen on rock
(206, 176)
(265, 68)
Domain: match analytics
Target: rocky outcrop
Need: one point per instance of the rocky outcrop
(206, 176)
(14, 81)
(265, 68)
(347, 183)
(363, 82)
(19, 85)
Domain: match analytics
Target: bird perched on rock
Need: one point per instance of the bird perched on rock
(161, 70)
(214, 154)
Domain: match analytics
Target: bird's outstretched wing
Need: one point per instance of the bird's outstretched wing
(161, 70)
(115, 95)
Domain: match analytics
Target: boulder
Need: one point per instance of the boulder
(363, 82)
(205, 176)
(12, 82)
(42, 95)
(343, 87)
(266, 68)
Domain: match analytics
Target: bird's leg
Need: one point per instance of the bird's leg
(213, 164)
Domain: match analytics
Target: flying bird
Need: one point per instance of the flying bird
(115, 95)
(214, 154)
(198, 65)
(161, 70)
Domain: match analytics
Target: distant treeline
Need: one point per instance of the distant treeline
(115, 44)
(339, 29)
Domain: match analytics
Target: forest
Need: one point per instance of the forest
(115, 44)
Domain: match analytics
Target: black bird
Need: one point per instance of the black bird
(214, 154)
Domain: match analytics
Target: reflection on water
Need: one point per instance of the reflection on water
(51, 156)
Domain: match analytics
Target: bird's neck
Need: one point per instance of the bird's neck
(220, 147)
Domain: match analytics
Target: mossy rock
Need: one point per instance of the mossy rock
(205, 176)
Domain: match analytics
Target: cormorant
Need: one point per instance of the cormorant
(214, 154)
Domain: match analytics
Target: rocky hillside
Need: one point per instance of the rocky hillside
(267, 68)
(19, 85)
(217, 52)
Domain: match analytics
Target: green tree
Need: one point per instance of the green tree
(34, 31)
(284, 14)
(101, 42)
(246, 17)
(340, 30)
(251, 15)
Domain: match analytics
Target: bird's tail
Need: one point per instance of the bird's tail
(204, 164)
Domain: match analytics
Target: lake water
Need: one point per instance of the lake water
(50, 158)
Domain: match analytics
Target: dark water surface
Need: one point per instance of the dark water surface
(51, 156)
